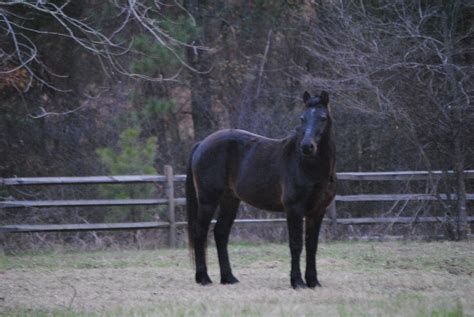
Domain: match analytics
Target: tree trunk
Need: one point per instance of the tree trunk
(462, 226)
(201, 98)
(449, 20)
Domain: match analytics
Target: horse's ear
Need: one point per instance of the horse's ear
(306, 97)
(324, 98)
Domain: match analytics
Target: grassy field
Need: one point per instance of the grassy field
(358, 278)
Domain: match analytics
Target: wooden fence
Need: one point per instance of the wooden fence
(169, 180)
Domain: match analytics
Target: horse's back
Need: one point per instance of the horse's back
(229, 143)
(241, 163)
(218, 153)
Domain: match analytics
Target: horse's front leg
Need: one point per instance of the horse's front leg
(313, 225)
(294, 218)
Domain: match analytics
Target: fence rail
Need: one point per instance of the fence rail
(87, 203)
(130, 179)
(166, 225)
(120, 179)
(169, 179)
(182, 201)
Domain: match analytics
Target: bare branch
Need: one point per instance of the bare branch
(108, 46)
(45, 113)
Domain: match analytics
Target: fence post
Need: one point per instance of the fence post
(333, 217)
(171, 205)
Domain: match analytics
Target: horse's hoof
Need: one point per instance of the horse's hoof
(203, 279)
(312, 280)
(298, 283)
(230, 279)
(313, 283)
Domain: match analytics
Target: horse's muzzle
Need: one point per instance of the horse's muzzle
(308, 149)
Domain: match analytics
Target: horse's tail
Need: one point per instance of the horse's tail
(191, 203)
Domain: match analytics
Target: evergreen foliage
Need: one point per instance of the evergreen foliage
(132, 155)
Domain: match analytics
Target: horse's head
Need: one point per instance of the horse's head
(315, 120)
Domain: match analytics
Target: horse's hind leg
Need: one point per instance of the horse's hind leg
(205, 213)
(228, 210)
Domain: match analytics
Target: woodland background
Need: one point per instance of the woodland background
(124, 87)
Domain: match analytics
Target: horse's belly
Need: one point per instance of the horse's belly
(260, 193)
(264, 205)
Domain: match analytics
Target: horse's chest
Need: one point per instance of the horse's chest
(306, 193)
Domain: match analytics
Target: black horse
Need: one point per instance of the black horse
(295, 175)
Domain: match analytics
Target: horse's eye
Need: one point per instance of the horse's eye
(324, 118)
(303, 119)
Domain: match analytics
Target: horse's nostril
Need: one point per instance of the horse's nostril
(307, 148)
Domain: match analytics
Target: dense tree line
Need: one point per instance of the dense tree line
(84, 81)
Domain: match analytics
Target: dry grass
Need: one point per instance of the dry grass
(359, 279)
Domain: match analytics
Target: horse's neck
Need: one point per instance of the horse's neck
(289, 144)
